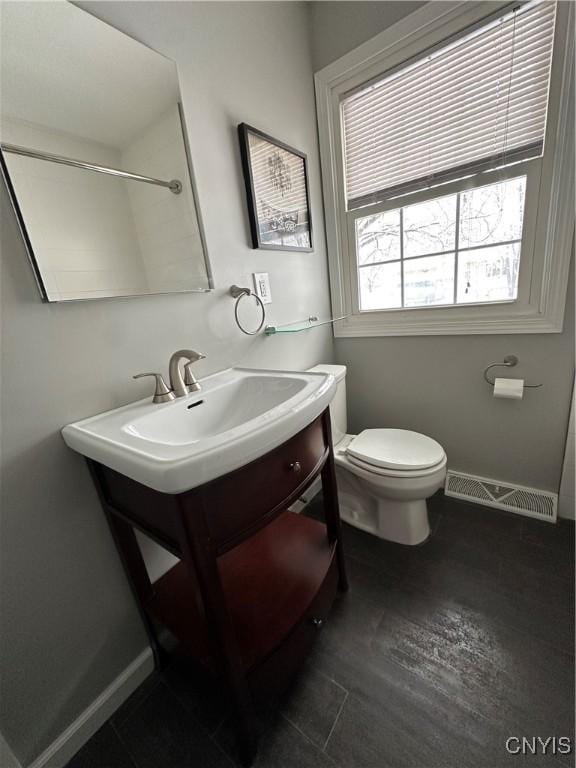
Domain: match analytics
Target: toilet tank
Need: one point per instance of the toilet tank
(338, 414)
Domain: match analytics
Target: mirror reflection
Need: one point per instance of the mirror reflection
(95, 159)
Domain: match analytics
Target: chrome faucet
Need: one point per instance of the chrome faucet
(182, 386)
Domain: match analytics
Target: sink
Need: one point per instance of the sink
(230, 404)
(239, 415)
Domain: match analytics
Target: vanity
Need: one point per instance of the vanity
(99, 174)
(210, 477)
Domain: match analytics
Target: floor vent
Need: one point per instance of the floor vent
(513, 498)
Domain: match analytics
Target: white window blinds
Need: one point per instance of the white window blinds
(474, 103)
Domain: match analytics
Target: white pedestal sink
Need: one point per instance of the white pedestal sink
(239, 415)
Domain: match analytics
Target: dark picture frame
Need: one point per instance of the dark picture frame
(277, 192)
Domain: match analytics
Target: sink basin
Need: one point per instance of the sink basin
(239, 415)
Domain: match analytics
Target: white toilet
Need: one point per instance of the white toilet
(384, 475)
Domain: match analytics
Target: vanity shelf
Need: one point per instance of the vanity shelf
(281, 569)
(254, 582)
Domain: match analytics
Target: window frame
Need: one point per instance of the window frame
(531, 169)
(549, 209)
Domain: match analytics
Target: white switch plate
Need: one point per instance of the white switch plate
(262, 286)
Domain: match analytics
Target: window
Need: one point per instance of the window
(445, 161)
(455, 249)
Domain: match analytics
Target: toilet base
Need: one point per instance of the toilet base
(403, 522)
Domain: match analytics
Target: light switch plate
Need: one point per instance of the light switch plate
(262, 286)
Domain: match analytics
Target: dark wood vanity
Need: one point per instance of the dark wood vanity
(254, 582)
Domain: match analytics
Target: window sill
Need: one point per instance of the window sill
(454, 322)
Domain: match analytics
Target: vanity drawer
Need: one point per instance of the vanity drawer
(245, 498)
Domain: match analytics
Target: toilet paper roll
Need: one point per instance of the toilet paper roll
(512, 389)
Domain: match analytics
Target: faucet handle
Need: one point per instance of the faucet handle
(162, 394)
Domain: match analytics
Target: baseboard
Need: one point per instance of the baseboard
(79, 732)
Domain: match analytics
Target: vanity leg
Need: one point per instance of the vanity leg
(202, 563)
(331, 508)
(134, 566)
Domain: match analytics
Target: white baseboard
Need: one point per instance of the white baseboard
(77, 734)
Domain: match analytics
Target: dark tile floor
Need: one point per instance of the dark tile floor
(434, 658)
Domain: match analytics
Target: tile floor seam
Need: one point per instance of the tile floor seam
(153, 688)
(308, 739)
(335, 723)
(188, 709)
(213, 736)
(124, 745)
(222, 750)
(331, 679)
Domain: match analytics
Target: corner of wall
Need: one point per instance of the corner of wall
(567, 495)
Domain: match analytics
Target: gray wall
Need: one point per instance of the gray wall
(68, 621)
(338, 27)
(434, 384)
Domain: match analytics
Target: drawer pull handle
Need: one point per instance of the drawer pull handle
(295, 466)
(318, 623)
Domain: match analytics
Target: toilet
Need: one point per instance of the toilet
(384, 476)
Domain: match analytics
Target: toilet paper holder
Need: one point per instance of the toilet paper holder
(509, 361)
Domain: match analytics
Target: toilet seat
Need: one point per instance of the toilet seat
(370, 469)
(395, 452)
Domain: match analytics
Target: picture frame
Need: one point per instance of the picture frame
(277, 192)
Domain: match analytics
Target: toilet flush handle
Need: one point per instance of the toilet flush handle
(295, 466)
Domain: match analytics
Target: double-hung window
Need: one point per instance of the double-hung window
(449, 205)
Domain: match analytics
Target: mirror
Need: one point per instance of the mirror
(95, 159)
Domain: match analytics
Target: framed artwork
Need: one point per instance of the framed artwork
(276, 178)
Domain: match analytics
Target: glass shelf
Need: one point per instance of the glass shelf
(302, 325)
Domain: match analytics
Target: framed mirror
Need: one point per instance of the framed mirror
(95, 158)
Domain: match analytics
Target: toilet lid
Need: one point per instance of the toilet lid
(396, 449)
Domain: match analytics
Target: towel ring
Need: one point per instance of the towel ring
(239, 293)
(509, 361)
